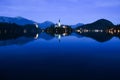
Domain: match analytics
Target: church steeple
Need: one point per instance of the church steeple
(58, 24)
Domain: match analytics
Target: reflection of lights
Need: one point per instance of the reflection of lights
(59, 36)
(37, 35)
(64, 34)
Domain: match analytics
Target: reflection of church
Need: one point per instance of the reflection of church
(61, 30)
(58, 25)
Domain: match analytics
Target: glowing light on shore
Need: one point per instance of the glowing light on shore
(113, 31)
(79, 31)
(36, 25)
(85, 30)
(118, 31)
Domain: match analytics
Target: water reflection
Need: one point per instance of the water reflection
(14, 34)
(100, 35)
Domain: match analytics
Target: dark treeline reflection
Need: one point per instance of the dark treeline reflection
(15, 34)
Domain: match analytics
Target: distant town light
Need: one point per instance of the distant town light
(64, 26)
(25, 31)
(85, 30)
(96, 30)
(118, 31)
(101, 30)
(79, 31)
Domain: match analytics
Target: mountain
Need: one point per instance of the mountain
(17, 20)
(46, 24)
(24, 21)
(99, 24)
(77, 25)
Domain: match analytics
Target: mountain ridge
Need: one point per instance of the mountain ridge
(102, 23)
(99, 24)
(17, 20)
(77, 25)
(46, 24)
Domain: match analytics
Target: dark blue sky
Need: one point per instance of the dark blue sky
(69, 11)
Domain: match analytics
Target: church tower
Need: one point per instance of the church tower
(59, 24)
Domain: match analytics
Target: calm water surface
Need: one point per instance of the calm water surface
(70, 58)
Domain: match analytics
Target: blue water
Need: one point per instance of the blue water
(70, 58)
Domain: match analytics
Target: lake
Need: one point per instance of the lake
(72, 57)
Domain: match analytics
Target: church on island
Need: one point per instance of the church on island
(60, 25)
(61, 30)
